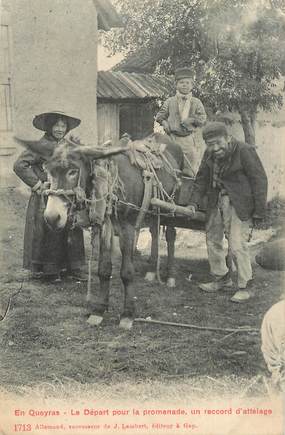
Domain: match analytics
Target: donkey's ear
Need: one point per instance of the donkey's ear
(44, 148)
(25, 142)
(99, 153)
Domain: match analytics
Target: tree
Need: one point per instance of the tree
(235, 46)
(241, 72)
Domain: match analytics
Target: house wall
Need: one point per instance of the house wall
(5, 73)
(119, 117)
(53, 64)
(108, 122)
(137, 118)
(54, 61)
(7, 147)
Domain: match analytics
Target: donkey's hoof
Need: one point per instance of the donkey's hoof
(171, 283)
(150, 276)
(126, 323)
(95, 320)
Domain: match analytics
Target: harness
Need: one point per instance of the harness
(75, 197)
(153, 187)
(107, 194)
(107, 191)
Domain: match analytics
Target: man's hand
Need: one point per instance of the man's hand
(190, 124)
(166, 127)
(192, 209)
(190, 121)
(257, 220)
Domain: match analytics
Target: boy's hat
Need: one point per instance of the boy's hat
(183, 73)
(214, 129)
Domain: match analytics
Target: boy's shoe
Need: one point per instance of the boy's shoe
(216, 285)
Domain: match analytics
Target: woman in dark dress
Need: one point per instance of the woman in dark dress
(47, 253)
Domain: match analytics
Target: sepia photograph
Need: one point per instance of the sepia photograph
(142, 217)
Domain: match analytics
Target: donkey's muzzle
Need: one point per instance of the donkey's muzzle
(55, 213)
(52, 220)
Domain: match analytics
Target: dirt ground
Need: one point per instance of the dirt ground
(45, 338)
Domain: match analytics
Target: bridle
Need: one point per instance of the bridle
(75, 197)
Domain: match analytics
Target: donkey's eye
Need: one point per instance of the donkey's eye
(72, 172)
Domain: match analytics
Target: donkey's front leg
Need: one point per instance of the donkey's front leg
(170, 239)
(151, 274)
(101, 301)
(127, 237)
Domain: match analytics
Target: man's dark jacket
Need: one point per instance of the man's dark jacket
(244, 180)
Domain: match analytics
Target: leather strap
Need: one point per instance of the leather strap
(148, 181)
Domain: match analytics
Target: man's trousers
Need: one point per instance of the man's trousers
(223, 220)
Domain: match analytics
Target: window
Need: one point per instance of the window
(6, 123)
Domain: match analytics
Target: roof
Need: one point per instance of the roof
(107, 15)
(138, 62)
(125, 86)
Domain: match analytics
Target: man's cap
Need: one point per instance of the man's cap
(40, 121)
(184, 73)
(214, 129)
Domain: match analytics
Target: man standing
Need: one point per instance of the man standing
(233, 178)
(181, 116)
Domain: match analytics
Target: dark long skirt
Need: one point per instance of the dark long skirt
(48, 251)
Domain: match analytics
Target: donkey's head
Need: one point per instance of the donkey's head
(69, 169)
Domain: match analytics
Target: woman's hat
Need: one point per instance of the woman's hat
(41, 122)
(184, 73)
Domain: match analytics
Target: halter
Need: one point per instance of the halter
(75, 197)
(60, 192)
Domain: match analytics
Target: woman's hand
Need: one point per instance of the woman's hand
(41, 187)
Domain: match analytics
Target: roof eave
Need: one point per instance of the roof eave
(125, 100)
(107, 15)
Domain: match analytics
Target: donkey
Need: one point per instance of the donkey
(69, 169)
